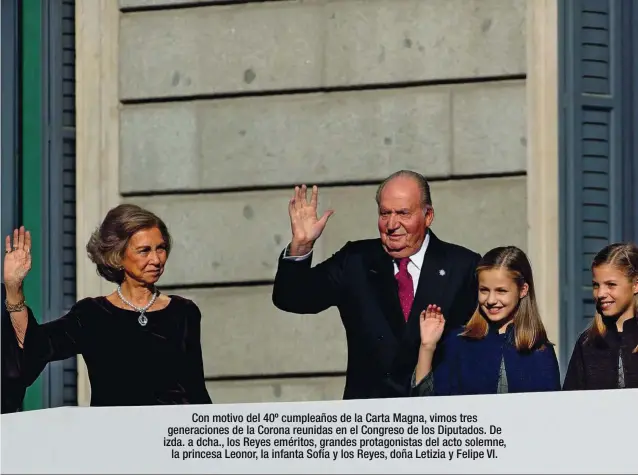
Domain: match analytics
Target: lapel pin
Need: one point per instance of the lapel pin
(441, 272)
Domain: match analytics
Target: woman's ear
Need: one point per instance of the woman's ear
(524, 290)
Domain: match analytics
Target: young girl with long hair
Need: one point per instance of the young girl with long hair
(503, 348)
(606, 354)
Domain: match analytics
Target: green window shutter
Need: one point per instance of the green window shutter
(31, 198)
(593, 159)
(48, 178)
(59, 191)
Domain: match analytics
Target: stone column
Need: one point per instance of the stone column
(542, 160)
(97, 140)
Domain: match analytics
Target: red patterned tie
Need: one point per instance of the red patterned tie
(406, 288)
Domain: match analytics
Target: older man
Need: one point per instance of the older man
(380, 286)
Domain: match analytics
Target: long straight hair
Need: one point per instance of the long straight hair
(622, 256)
(529, 331)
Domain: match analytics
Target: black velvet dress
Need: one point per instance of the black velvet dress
(128, 364)
(13, 385)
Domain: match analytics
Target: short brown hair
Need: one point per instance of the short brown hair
(529, 331)
(107, 244)
(424, 186)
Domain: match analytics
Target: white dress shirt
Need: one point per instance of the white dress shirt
(414, 266)
(416, 263)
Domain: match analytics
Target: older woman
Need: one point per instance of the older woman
(141, 347)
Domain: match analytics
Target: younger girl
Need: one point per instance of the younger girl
(606, 354)
(502, 349)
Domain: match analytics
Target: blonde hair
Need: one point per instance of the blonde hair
(529, 331)
(622, 256)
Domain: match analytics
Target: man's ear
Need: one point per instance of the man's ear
(429, 216)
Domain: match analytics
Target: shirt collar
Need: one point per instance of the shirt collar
(417, 257)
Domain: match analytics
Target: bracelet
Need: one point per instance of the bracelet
(15, 308)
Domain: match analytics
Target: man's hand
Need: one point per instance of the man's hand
(306, 227)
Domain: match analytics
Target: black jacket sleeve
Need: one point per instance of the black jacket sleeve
(575, 376)
(300, 288)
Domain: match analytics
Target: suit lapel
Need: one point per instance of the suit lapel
(431, 287)
(381, 275)
(430, 290)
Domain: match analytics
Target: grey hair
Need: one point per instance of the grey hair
(424, 186)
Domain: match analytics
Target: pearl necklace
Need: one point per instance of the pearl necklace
(142, 318)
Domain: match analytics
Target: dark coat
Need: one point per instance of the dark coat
(359, 280)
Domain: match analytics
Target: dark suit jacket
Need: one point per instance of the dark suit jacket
(359, 280)
(13, 387)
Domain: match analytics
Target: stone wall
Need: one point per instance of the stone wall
(224, 108)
